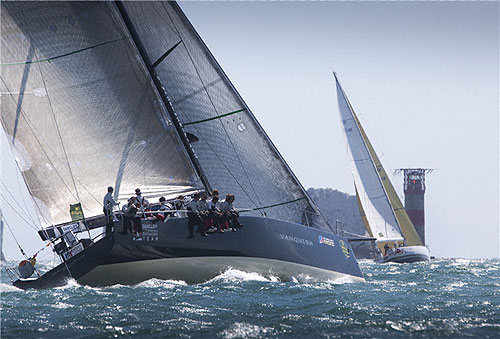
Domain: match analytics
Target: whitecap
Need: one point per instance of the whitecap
(245, 330)
(61, 305)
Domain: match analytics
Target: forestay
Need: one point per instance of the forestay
(81, 111)
(235, 153)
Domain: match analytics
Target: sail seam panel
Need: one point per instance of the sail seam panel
(62, 55)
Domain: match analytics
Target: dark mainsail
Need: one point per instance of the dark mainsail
(234, 151)
(90, 95)
(81, 110)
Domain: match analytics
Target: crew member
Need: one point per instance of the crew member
(144, 203)
(164, 207)
(108, 203)
(130, 215)
(215, 213)
(386, 249)
(229, 213)
(194, 217)
(203, 208)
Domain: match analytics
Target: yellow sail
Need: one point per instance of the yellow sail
(409, 232)
(362, 213)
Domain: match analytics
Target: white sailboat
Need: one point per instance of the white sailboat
(382, 212)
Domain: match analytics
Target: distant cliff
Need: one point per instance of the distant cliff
(336, 205)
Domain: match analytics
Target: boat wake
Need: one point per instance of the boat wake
(155, 283)
(233, 275)
(8, 288)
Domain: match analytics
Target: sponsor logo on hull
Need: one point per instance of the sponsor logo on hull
(344, 248)
(326, 241)
(149, 233)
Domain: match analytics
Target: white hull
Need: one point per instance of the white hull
(201, 269)
(407, 254)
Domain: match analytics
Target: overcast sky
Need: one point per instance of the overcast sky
(422, 76)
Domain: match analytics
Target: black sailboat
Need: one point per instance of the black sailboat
(127, 94)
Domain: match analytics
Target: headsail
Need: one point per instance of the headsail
(380, 217)
(81, 110)
(404, 222)
(235, 153)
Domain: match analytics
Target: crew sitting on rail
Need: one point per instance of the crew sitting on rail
(203, 207)
(230, 216)
(194, 217)
(178, 206)
(215, 213)
(165, 207)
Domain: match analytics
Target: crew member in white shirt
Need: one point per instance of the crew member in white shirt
(108, 204)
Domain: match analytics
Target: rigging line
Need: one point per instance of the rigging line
(279, 204)
(15, 211)
(63, 55)
(213, 118)
(215, 109)
(15, 239)
(26, 214)
(39, 143)
(22, 197)
(57, 126)
(223, 164)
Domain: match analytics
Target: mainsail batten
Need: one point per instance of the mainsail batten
(112, 123)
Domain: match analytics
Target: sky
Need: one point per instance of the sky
(423, 78)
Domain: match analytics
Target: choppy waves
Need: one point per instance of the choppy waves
(447, 298)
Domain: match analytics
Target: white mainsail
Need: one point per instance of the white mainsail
(381, 219)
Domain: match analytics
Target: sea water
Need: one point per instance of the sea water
(448, 298)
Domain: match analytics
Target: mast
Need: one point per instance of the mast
(152, 73)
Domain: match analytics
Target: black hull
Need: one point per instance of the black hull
(262, 245)
(164, 251)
